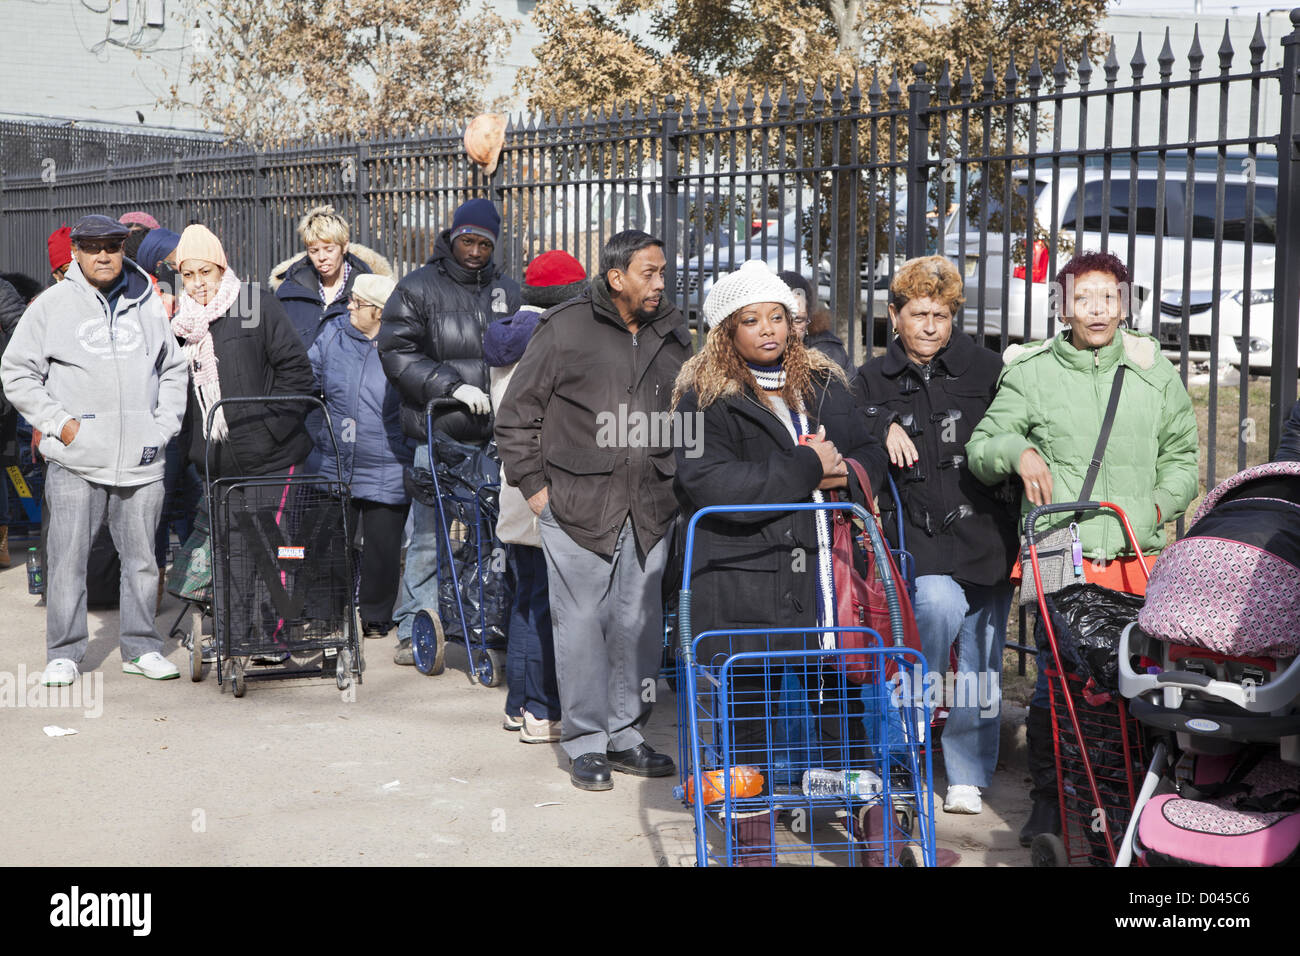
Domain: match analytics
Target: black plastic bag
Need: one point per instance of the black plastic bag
(1088, 620)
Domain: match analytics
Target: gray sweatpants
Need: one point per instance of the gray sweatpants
(77, 510)
(608, 619)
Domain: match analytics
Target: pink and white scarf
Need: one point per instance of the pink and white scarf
(191, 324)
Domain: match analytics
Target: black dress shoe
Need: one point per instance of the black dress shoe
(591, 772)
(641, 761)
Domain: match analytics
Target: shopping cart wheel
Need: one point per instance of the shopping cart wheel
(196, 644)
(905, 813)
(428, 643)
(238, 684)
(343, 669)
(489, 667)
(1048, 849)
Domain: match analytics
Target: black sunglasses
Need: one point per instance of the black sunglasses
(96, 246)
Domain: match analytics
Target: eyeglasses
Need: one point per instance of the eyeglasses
(95, 246)
(355, 303)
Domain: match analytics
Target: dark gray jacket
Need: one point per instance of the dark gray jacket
(568, 419)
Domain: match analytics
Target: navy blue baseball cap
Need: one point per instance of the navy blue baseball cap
(96, 226)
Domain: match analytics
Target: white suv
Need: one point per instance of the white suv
(1032, 293)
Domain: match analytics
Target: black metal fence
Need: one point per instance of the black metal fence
(1191, 180)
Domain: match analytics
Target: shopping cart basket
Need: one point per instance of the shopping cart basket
(1098, 744)
(282, 585)
(462, 486)
(769, 735)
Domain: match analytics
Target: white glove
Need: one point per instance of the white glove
(475, 399)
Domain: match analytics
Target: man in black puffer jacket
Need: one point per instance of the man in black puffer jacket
(431, 346)
(431, 342)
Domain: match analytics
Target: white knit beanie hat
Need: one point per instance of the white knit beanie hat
(752, 282)
(373, 288)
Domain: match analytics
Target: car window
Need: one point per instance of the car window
(1206, 207)
(1116, 213)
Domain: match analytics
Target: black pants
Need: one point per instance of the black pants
(380, 558)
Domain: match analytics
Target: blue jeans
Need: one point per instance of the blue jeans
(977, 618)
(420, 578)
(530, 655)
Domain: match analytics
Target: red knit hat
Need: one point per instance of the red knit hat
(60, 247)
(553, 277)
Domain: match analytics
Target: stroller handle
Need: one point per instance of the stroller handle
(878, 545)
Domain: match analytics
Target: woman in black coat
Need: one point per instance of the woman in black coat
(770, 422)
(923, 399)
(240, 343)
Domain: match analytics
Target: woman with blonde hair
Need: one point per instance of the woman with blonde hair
(315, 285)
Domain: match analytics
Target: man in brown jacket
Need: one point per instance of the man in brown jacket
(582, 434)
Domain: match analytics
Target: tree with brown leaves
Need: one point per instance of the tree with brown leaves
(264, 71)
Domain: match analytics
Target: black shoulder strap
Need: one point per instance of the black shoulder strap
(1113, 406)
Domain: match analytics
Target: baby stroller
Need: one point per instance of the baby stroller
(1211, 667)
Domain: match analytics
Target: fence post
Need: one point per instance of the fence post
(363, 192)
(1286, 282)
(262, 258)
(918, 160)
(668, 192)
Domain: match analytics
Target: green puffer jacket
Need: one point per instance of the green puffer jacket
(1052, 397)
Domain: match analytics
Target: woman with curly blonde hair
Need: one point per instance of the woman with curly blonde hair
(774, 423)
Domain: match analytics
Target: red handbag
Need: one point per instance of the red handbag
(860, 599)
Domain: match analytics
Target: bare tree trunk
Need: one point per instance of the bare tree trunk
(845, 14)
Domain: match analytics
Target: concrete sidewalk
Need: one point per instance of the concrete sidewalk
(415, 770)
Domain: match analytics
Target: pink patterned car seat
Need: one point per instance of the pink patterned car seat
(1254, 824)
(1232, 584)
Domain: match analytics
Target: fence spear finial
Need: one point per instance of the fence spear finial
(1138, 65)
(1166, 58)
(1195, 56)
(1225, 50)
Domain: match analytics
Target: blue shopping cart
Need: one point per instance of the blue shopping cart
(473, 606)
(771, 733)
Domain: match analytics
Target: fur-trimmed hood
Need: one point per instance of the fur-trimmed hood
(372, 259)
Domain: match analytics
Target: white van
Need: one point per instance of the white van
(1030, 294)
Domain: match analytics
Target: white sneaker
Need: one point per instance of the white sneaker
(963, 798)
(59, 672)
(153, 666)
(535, 731)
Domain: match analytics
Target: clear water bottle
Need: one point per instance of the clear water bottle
(35, 572)
(838, 783)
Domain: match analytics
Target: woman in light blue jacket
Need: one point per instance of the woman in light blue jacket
(364, 410)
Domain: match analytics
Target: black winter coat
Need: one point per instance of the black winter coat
(746, 573)
(258, 353)
(954, 523)
(829, 344)
(432, 338)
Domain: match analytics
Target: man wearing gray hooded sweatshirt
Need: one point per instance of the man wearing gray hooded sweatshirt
(94, 366)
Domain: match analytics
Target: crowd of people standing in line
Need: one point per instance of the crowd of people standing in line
(119, 363)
